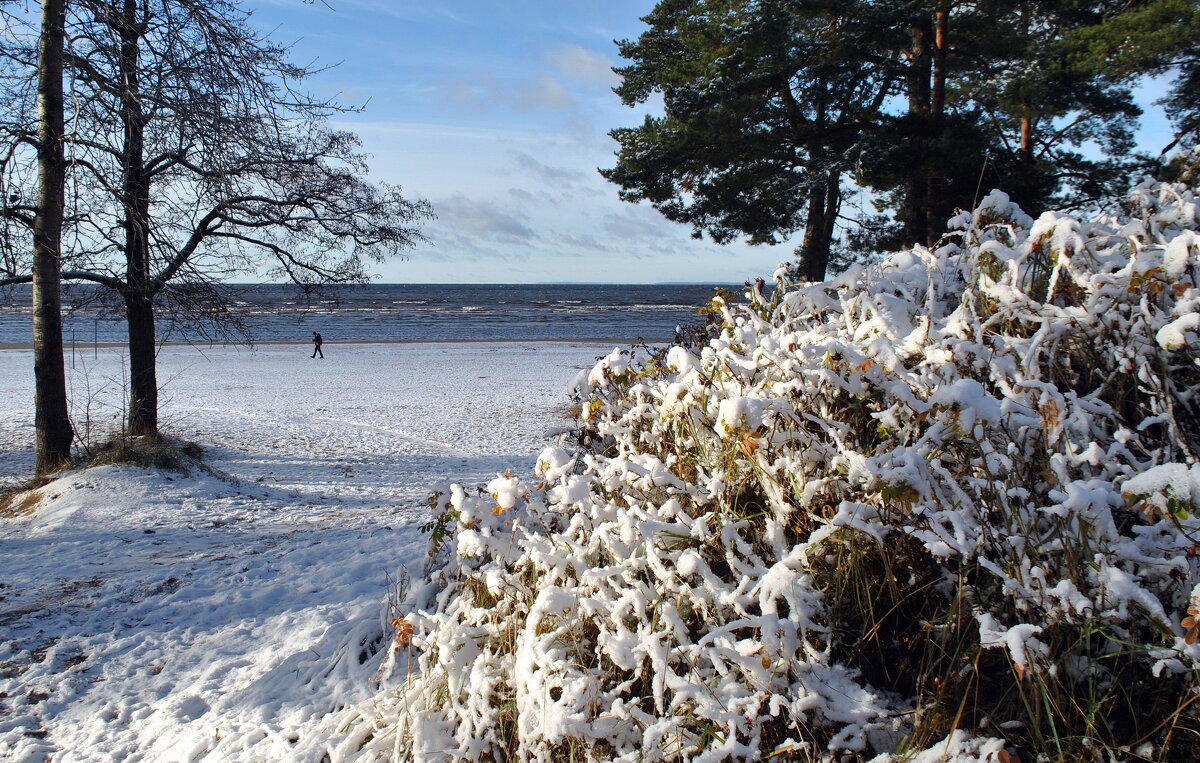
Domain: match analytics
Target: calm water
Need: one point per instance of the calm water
(389, 312)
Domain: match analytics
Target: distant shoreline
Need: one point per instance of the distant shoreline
(79, 346)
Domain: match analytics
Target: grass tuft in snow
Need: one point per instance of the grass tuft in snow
(23, 499)
(151, 452)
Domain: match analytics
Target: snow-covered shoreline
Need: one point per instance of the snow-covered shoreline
(87, 348)
(151, 616)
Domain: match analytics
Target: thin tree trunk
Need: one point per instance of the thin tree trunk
(920, 70)
(1022, 181)
(1025, 149)
(135, 191)
(52, 425)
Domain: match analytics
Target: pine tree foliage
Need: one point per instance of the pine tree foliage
(1161, 37)
(761, 104)
(770, 106)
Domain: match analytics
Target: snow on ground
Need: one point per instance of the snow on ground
(152, 616)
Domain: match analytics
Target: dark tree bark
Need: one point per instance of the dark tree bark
(824, 201)
(143, 380)
(926, 205)
(52, 424)
(936, 182)
(918, 86)
(135, 200)
(941, 42)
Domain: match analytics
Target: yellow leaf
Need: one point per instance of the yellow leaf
(749, 445)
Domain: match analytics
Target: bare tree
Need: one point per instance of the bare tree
(31, 73)
(198, 157)
(51, 421)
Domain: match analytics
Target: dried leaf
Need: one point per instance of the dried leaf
(749, 445)
(404, 631)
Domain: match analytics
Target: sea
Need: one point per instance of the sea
(397, 312)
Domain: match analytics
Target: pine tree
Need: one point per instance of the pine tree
(763, 103)
(769, 104)
(1043, 107)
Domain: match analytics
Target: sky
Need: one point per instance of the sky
(498, 114)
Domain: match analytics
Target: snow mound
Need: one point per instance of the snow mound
(967, 472)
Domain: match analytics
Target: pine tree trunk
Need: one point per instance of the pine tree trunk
(811, 265)
(918, 83)
(824, 201)
(937, 208)
(139, 298)
(919, 78)
(1022, 180)
(833, 205)
(941, 43)
(1025, 150)
(52, 424)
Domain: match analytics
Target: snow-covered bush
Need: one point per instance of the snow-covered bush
(948, 503)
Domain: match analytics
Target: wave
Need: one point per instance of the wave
(422, 312)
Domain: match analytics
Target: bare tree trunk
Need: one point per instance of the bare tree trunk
(135, 192)
(52, 425)
(1025, 149)
(811, 265)
(143, 381)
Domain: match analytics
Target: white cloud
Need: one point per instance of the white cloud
(483, 92)
(580, 64)
(640, 222)
(544, 92)
(481, 219)
(563, 176)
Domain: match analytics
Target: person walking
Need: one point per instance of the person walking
(317, 345)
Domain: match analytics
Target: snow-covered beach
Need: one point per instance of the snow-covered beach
(147, 616)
